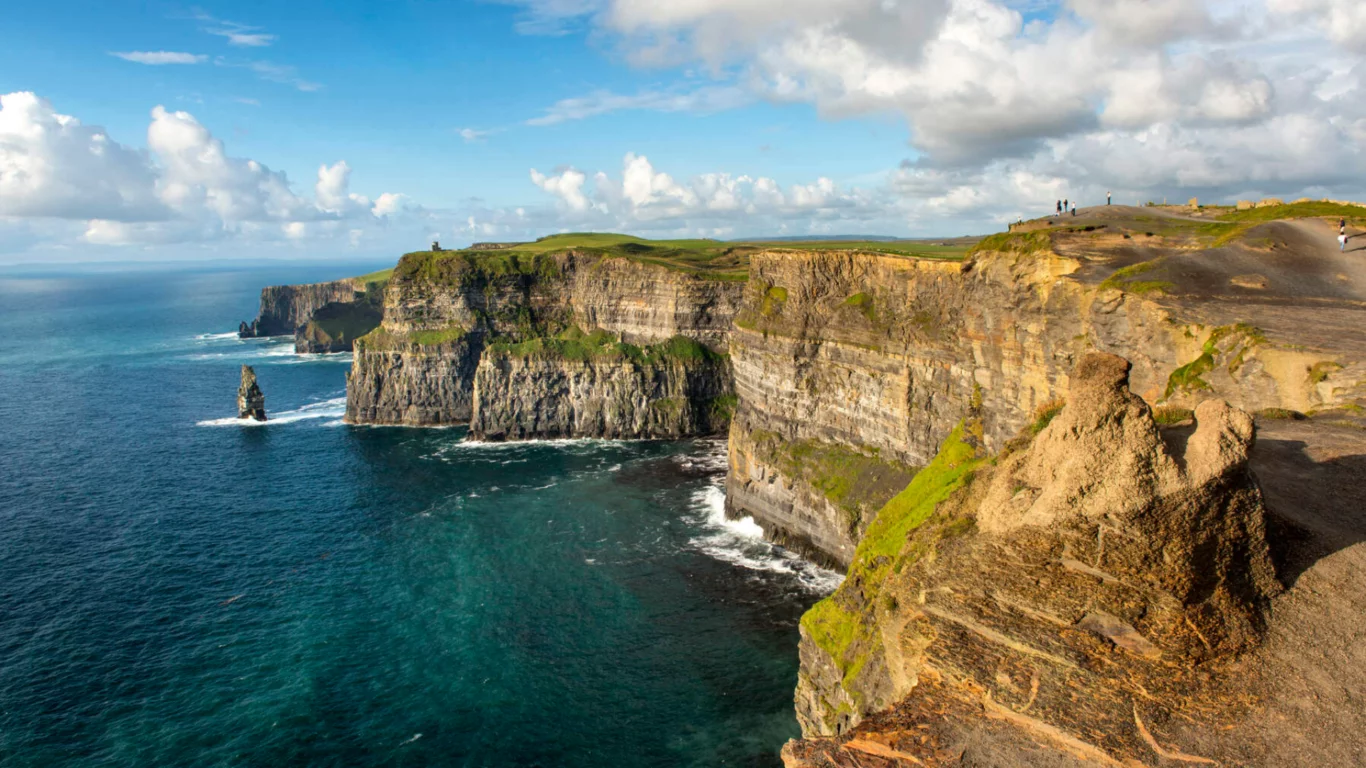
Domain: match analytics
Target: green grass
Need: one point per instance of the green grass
(1123, 279)
(1320, 372)
(382, 276)
(380, 338)
(775, 298)
(1045, 415)
(576, 345)
(343, 321)
(1038, 241)
(910, 248)
(1187, 378)
(864, 303)
(1296, 211)
(837, 623)
(1168, 415)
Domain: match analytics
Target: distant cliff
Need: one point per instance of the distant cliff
(323, 317)
(572, 342)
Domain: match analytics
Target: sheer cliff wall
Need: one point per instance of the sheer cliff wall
(547, 345)
(874, 358)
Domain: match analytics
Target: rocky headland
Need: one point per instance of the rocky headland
(1093, 481)
(322, 317)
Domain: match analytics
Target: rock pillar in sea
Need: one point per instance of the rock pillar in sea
(251, 403)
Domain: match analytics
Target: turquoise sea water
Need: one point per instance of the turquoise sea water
(180, 590)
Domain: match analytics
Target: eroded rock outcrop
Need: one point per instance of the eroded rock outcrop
(251, 402)
(1081, 593)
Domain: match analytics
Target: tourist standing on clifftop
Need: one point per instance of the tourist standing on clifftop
(1107, 198)
(1059, 207)
(1064, 205)
(1342, 240)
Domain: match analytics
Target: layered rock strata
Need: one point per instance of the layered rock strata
(287, 308)
(525, 345)
(1081, 596)
(519, 397)
(881, 355)
(251, 402)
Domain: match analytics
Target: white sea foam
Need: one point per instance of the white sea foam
(326, 409)
(274, 350)
(741, 543)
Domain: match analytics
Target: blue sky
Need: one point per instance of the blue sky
(711, 117)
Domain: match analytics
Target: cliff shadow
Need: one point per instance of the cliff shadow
(1315, 506)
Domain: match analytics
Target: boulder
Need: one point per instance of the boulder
(1246, 205)
(251, 403)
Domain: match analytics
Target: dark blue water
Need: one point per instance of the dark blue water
(180, 590)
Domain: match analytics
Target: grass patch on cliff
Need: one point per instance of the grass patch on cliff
(574, 344)
(1307, 210)
(343, 321)
(864, 304)
(857, 482)
(1189, 377)
(379, 338)
(1038, 241)
(1123, 279)
(839, 624)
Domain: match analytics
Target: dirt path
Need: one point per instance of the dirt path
(1311, 674)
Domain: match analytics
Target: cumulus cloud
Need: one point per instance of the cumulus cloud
(161, 57)
(643, 198)
(1016, 86)
(184, 187)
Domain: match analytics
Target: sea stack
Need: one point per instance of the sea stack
(251, 403)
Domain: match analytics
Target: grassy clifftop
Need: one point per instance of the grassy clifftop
(704, 259)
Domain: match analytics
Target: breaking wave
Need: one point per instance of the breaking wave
(741, 542)
(326, 409)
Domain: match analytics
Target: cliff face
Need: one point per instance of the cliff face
(520, 397)
(1082, 590)
(881, 356)
(287, 308)
(523, 345)
(417, 382)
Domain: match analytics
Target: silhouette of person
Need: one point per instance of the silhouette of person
(1059, 207)
(1107, 198)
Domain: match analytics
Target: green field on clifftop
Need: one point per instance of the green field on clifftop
(707, 259)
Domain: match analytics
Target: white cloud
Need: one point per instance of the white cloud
(184, 187)
(279, 73)
(52, 165)
(643, 198)
(244, 39)
(241, 35)
(567, 185)
(161, 57)
(982, 85)
(389, 204)
(704, 100)
(472, 135)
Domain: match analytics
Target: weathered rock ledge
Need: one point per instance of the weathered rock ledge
(1072, 600)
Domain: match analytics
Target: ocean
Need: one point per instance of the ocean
(177, 589)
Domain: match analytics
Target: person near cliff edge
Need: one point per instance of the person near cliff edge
(1059, 207)
(1342, 241)
(1074, 209)
(1064, 205)
(1107, 198)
